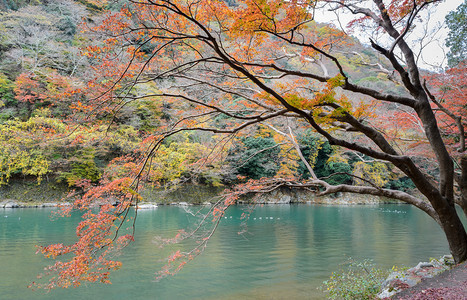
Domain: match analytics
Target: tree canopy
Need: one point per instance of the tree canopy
(457, 36)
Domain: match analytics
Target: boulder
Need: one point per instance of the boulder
(424, 265)
(10, 204)
(147, 206)
(447, 260)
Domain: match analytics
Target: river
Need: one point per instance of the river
(286, 253)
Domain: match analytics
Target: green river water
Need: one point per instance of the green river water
(286, 253)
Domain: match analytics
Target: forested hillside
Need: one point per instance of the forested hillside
(49, 129)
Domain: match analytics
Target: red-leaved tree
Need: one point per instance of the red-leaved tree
(225, 67)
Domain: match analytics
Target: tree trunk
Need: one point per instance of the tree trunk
(443, 203)
(463, 184)
(455, 233)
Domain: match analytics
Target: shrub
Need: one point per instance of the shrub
(357, 280)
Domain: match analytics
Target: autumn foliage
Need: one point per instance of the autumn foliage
(252, 93)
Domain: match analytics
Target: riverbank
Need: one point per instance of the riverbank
(344, 199)
(448, 285)
(28, 194)
(28, 191)
(399, 281)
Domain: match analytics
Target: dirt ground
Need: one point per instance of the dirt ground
(449, 285)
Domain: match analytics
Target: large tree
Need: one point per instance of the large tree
(229, 66)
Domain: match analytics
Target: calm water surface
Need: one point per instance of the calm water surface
(285, 254)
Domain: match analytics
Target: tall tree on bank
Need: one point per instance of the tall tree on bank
(226, 68)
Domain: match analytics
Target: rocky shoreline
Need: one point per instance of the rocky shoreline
(399, 281)
(287, 196)
(17, 204)
(8, 203)
(273, 198)
(448, 285)
(28, 194)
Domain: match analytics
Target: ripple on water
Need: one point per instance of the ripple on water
(286, 252)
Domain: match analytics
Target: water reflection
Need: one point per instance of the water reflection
(286, 252)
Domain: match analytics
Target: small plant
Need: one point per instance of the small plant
(356, 280)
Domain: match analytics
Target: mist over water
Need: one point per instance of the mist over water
(286, 252)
